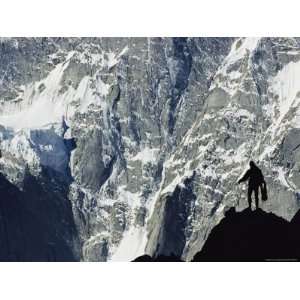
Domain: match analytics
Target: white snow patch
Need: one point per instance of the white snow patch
(132, 199)
(146, 155)
(281, 177)
(286, 85)
(171, 186)
(177, 181)
(37, 109)
(132, 245)
(19, 146)
(209, 172)
(113, 59)
(247, 45)
(269, 149)
(239, 49)
(296, 121)
(241, 153)
(41, 108)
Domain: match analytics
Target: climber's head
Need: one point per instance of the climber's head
(252, 164)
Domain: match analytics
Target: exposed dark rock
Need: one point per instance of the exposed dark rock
(252, 236)
(160, 258)
(36, 223)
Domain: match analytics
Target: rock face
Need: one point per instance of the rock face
(136, 143)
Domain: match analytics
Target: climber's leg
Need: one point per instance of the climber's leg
(256, 196)
(250, 189)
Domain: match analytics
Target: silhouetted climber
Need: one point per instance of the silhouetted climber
(256, 180)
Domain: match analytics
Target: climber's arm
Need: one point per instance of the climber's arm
(245, 177)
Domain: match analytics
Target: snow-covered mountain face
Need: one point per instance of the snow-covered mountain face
(126, 146)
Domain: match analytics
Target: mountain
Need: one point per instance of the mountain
(133, 146)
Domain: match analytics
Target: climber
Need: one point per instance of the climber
(256, 180)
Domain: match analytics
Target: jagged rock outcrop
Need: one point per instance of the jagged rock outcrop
(252, 236)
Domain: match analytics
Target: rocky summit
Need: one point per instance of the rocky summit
(115, 148)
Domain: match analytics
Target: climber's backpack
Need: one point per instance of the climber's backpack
(264, 192)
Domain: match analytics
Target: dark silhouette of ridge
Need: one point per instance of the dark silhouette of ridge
(247, 236)
(160, 258)
(34, 225)
(252, 236)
